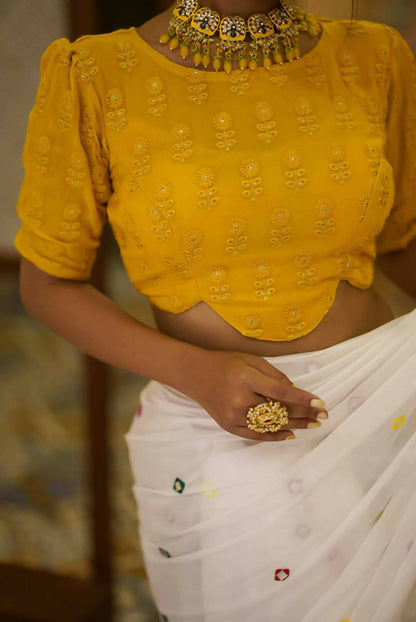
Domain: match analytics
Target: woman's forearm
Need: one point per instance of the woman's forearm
(99, 327)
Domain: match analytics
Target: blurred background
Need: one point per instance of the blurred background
(66, 506)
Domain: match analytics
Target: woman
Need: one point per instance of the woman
(249, 169)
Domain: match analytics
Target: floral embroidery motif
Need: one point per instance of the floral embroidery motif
(41, 97)
(383, 194)
(177, 302)
(208, 489)
(157, 100)
(220, 288)
(192, 241)
(382, 67)
(349, 69)
(178, 485)
(263, 283)
(162, 212)
(327, 300)
(342, 112)
(266, 127)
(338, 166)
(85, 65)
(127, 56)
(181, 142)
(178, 268)
(141, 161)
(281, 574)
(86, 127)
(295, 322)
(399, 422)
(34, 214)
(70, 226)
(197, 88)
(324, 213)
(277, 75)
(295, 486)
(303, 531)
(296, 175)
(225, 135)
(251, 183)
(65, 55)
(41, 159)
(306, 119)
(314, 69)
(49, 251)
(374, 115)
(252, 325)
(307, 273)
(65, 119)
(238, 242)
(116, 116)
(344, 261)
(206, 178)
(363, 202)
(100, 183)
(131, 228)
(374, 156)
(75, 174)
(281, 221)
(239, 82)
(356, 28)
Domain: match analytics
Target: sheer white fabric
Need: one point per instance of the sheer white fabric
(320, 529)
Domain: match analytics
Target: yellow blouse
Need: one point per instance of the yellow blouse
(256, 192)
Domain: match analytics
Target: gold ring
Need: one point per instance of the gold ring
(269, 416)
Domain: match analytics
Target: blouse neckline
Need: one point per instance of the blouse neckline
(187, 72)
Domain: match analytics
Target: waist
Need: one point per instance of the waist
(353, 312)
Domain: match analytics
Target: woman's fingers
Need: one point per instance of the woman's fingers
(283, 392)
(281, 435)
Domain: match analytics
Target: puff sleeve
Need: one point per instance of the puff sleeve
(400, 227)
(66, 186)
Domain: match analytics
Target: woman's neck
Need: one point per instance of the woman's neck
(243, 8)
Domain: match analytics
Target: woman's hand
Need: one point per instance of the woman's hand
(226, 384)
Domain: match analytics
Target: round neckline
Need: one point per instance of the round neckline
(223, 75)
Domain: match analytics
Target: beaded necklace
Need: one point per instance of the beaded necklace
(192, 28)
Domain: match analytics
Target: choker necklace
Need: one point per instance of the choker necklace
(192, 28)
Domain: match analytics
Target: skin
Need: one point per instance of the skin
(197, 352)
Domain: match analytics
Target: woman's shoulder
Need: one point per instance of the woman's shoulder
(361, 32)
(63, 49)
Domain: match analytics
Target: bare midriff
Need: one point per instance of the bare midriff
(353, 313)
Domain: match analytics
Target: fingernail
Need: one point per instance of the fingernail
(322, 415)
(314, 424)
(290, 438)
(317, 403)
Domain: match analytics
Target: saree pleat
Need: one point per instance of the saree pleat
(320, 529)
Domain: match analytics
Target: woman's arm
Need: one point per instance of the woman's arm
(400, 267)
(226, 384)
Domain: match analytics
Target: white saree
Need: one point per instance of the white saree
(319, 529)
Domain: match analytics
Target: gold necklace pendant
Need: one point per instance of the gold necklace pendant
(273, 37)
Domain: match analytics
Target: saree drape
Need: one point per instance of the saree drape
(319, 529)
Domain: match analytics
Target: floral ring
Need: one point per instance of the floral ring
(269, 416)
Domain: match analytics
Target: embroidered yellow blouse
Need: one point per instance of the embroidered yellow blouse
(256, 192)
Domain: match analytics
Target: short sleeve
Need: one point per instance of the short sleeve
(400, 227)
(66, 186)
